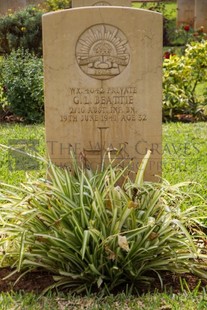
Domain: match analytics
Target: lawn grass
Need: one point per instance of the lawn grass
(124, 301)
(184, 152)
(184, 159)
(24, 136)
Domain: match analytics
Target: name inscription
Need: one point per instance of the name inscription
(103, 104)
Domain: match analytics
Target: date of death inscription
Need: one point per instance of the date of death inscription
(102, 104)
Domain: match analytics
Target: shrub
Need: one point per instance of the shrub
(22, 78)
(3, 100)
(53, 5)
(91, 233)
(181, 79)
(185, 34)
(21, 29)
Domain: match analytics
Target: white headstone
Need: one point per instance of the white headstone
(103, 85)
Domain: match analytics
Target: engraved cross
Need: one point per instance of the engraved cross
(101, 148)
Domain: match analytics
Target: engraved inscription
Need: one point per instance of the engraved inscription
(103, 115)
(102, 52)
(100, 150)
(102, 105)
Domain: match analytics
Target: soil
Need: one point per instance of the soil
(37, 281)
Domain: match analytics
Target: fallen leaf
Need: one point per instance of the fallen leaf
(123, 243)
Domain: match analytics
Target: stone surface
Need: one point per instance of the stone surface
(82, 3)
(103, 85)
(201, 14)
(186, 12)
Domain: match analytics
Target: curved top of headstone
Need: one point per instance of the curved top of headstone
(83, 3)
(95, 9)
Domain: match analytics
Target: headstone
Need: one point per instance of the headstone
(201, 14)
(82, 3)
(186, 12)
(103, 85)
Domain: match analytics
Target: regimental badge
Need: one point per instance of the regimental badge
(102, 52)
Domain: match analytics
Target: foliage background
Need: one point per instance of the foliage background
(21, 29)
(182, 76)
(21, 76)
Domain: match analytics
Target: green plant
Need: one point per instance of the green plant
(22, 77)
(90, 232)
(158, 7)
(53, 5)
(181, 78)
(3, 100)
(185, 34)
(21, 29)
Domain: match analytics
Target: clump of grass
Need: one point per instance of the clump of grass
(92, 233)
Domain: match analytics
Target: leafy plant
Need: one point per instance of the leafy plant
(22, 77)
(2, 93)
(181, 78)
(3, 100)
(21, 29)
(90, 232)
(158, 7)
(53, 5)
(185, 34)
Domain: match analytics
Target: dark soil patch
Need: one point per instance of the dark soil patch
(172, 283)
(37, 281)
